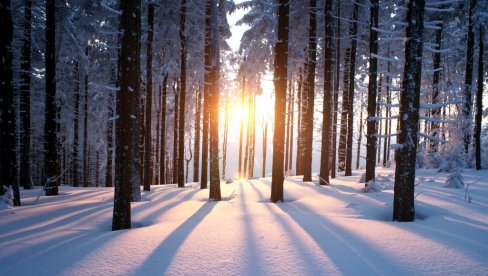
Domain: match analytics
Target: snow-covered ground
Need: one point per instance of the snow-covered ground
(317, 231)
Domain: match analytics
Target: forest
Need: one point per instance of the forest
(142, 96)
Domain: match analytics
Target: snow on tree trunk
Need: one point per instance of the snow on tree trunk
(468, 81)
(280, 77)
(196, 160)
(479, 102)
(403, 202)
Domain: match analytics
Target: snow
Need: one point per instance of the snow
(319, 230)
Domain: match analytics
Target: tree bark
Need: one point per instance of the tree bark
(280, 76)
(336, 91)
(403, 198)
(312, 63)
(76, 123)
(196, 160)
(224, 143)
(162, 156)
(241, 130)
(148, 163)
(468, 82)
(265, 145)
(175, 134)
(372, 88)
(206, 95)
(328, 94)
(479, 102)
(85, 126)
(181, 130)
(344, 112)
(436, 112)
(129, 85)
(50, 136)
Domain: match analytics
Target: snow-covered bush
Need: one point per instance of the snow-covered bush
(7, 199)
(451, 157)
(373, 187)
(455, 180)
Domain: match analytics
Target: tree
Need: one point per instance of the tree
(405, 156)
(372, 88)
(25, 102)
(7, 114)
(181, 130)
(148, 164)
(196, 162)
(328, 94)
(76, 125)
(162, 156)
(129, 85)
(86, 174)
(280, 79)
(214, 193)
(51, 162)
(310, 88)
(468, 81)
(479, 102)
(206, 95)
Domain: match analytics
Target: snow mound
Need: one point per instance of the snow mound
(454, 180)
(6, 200)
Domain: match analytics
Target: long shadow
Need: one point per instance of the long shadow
(345, 250)
(161, 258)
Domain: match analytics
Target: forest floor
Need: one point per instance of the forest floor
(329, 230)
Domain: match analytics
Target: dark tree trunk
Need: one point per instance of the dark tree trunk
(403, 198)
(76, 140)
(175, 134)
(336, 91)
(148, 163)
(352, 74)
(265, 145)
(85, 129)
(328, 93)
(288, 119)
(280, 75)
(196, 160)
(360, 134)
(25, 102)
(372, 88)
(479, 103)
(468, 82)
(224, 143)
(181, 130)
(50, 135)
(300, 127)
(162, 156)
(312, 62)
(344, 112)
(290, 157)
(206, 96)
(7, 116)
(241, 130)
(214, 193)
(436, 112)
(129, 79)
(110, 134)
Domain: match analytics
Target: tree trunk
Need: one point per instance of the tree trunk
(175, 133)
(188, 160)
(290, 157)
(300, 127)
(360, 133)
(110, 137)
(76, 123)
(196, 160)
(265, 145)
(280, 75)
(7, 116)
(312, 62)
(328, 92)
(436, 112)
(50, 135)
(372, 88)
(214, 193)
(224, 143)
(206, 95)
(336, 91)
(468, 82)
(344, 112)
(181, 130)
(148, 163)
(352, 75)
(479, 102)
(85, 124)
(403, 198)
(129, 79)
(162, 156)
(287, 131)
(241, 130)
(25, 102)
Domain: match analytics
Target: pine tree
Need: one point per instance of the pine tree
(405, 156)
(181, 118)
(468, 81)
(280, 76)
(479, 102)
(162, 156)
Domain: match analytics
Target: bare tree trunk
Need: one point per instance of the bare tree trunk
(196, 160)
(328, 94)
(110, 132)
(175, 133)
(372, 88)
(344, 112)
(280, 75)
(206, 95)
(468, 82)
(265, 145)
(76, 126)
(85, 124)
(290, 157)
(300, 146)
(312, 62)
(479, 102)
(181, 133)
(336, 91)
(224, 143)
(188, 160)
(241, 130)
(162, 156)
(252, 135)
(287, 131)
(129, 78)
(148, 163)
(25, 102)
(360, 133)
(403, 198)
